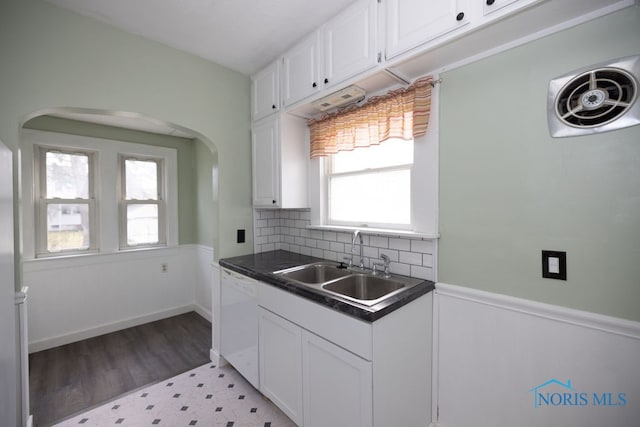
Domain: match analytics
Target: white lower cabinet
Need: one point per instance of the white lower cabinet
(324, 368)
(336, 385)
(313, 381)
(280, 349)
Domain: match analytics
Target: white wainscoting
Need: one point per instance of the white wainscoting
(493, 351)
(85, 296)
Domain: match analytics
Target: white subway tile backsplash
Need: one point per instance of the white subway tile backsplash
(421, 272)
(336, 247)
(423, 246)
(323, 244)
(379, 241)
(411, 258)
(393, 255)
(330, 235)
(402, 269)
(427, 260)
(316, 234)
(287, 230)
(399, 244)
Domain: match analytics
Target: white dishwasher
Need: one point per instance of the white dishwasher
(239, 323)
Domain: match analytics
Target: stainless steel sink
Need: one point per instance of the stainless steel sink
(364, 287)
(314, 274)
(351, 285)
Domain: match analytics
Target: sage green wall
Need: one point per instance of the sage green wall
(508, 190)
(204, 163)
(52, 57)
(187, 167)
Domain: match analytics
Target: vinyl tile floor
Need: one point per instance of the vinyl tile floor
(207, 396)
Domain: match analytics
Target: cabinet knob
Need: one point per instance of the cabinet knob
(273, 106)
(326, 81)
(490, 2)
(273, 201)
(314, 84)
(460, 16)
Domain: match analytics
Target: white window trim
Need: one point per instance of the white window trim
(388, 226)
(107, 193)
(42, 203)
(424, 186)
(159, 201)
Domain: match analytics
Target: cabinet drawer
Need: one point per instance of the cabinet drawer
(347, 332)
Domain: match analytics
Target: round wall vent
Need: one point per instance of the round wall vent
(597, 99)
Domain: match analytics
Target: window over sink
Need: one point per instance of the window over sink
(371, 186)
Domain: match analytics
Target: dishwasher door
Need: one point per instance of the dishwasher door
(239, 324)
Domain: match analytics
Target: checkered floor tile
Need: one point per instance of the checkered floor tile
(207, 396)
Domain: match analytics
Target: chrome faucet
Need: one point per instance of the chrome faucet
(357, 234)
(385, 264)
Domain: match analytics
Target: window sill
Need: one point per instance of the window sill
(376, 231)
(75, 260)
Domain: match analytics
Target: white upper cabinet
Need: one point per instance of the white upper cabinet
(266, 162)
(350, 42)
(413, 22)
(300, 68)
(279, 162)
(265, 91)
(490, 6)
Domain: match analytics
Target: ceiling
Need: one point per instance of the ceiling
(244, 35)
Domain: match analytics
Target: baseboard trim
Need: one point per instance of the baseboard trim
(217, 358)
(57, 341)
(202, 311)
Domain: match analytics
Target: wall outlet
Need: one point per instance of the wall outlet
(165, 267)
(240, 236)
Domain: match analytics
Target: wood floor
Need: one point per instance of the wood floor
(71, 378)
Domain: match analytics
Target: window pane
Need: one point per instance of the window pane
(67, 227)
(377, 197)
(141, 180)
(67, 175)
(392, 152)
(142, 224)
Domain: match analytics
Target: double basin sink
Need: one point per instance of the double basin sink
(352, 284)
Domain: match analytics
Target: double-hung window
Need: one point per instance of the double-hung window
(371, 185)
(142, 202)
(65, 201)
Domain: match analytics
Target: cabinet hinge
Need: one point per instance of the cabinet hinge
(379, 57)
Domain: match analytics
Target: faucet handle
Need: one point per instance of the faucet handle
(385, 258)
(374, 271)
(350, 260)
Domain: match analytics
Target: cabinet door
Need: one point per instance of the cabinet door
(489, 6)
(265, 91)
(280, 349)
(337, 385)
(300, 68)
(413, 22)
(350, 42)
(266, 163)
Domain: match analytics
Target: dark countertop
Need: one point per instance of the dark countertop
(262, 265)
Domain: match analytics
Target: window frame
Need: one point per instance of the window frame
(42, 202)
(328, 174)
(106, 187)
(124, 203)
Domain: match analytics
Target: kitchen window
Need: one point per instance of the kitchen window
(65, 201)
(371, 186)
(141, 202)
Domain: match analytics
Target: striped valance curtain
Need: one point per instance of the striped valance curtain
(402, 113)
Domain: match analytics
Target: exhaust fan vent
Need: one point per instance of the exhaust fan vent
(596, 99)
(345, 96)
